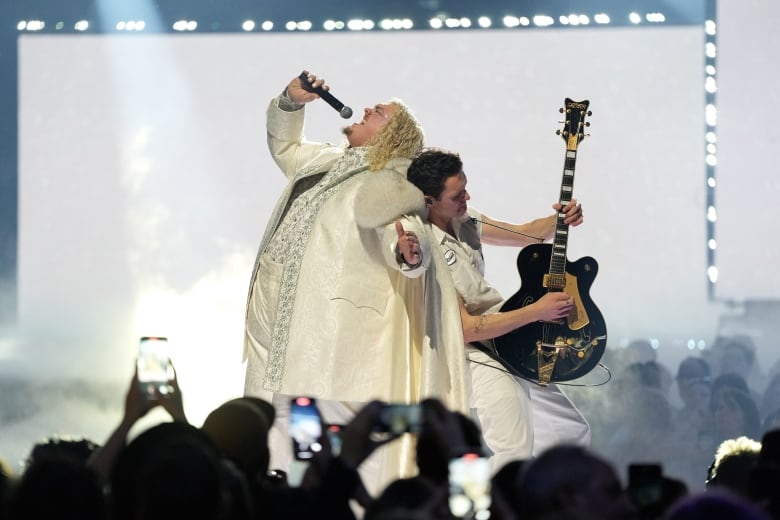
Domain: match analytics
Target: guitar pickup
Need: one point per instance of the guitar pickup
(554, 281)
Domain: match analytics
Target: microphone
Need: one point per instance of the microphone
(326, 96)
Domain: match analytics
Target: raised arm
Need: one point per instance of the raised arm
(499, 233)
(284, 125)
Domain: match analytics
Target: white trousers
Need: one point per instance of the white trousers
(520, 419)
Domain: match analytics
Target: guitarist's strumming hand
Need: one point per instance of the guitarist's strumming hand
(553, 306)
(408, 246)
(573, 212)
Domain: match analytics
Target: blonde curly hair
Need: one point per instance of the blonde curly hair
(733, 449)
(402, 136)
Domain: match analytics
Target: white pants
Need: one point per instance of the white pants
(520, 419)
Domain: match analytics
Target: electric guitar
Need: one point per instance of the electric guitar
(569, 348)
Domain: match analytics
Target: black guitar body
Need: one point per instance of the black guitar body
(577, 343)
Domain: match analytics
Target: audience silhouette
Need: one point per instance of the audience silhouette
(220, 469)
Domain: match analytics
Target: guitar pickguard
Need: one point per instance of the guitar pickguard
(557, 351)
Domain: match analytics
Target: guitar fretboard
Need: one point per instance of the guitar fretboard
(560, 241)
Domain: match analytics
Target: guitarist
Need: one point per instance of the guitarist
(519, 419)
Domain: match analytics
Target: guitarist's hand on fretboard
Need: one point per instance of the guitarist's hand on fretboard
(573, 212)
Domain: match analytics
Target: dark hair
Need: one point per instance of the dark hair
(646, 373)
(750, 417)
(715, 505)
(431, 168)
(730, 380)
(694, 368)
(173, 467)
(78, 448)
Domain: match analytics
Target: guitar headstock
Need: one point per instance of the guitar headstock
(574, 124)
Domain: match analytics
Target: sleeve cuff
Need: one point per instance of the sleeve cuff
(287, 104)
(402, 261)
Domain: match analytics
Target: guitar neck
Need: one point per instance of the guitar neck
(560, 240)
(572, 133)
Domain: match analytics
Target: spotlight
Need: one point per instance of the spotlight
(655, 17)
(35, 25)
(542, 20)
(484, 22)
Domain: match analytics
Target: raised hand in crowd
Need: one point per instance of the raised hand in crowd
(137, 405)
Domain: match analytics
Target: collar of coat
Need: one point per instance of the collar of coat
(385, 195)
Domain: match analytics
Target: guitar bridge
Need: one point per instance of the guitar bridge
(546, 356)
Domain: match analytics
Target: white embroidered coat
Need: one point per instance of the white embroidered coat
(359, 328)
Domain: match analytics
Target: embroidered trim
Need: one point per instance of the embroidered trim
(349, 165)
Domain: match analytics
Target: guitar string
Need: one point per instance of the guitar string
(583, 385)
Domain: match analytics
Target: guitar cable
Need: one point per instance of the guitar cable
(580, 385)
(538, 239)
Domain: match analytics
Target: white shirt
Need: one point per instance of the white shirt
(463, 254)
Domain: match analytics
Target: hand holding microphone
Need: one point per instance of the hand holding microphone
(317, 87)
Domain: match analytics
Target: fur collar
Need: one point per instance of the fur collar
(385, 195)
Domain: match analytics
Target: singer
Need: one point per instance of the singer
(337, 289)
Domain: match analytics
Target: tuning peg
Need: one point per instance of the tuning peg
(590, 113)
(561, 110)
(587, 123)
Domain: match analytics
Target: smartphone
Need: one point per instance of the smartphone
(469, 483)
(645, 485)
(305, 428)
(398, 418)
(333, 432)
(155, 372)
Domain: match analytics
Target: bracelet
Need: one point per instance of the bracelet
(399, 257)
